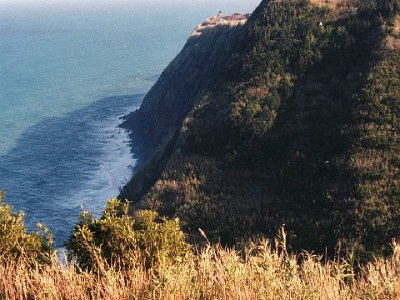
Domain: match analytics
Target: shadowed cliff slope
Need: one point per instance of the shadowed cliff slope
(180, 86)
(156, 124)
(294, 121)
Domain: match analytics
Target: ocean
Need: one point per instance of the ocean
(68, 72)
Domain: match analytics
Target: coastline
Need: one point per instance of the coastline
(60, 164)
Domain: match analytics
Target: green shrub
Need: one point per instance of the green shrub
(16, 243)
(125, 241)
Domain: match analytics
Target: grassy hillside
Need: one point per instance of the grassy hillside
(284, 128)
(298, 125)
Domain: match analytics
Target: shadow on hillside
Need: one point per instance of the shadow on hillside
(82, 157)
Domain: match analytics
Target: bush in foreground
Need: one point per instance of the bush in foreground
(16, 243)
(123, 241)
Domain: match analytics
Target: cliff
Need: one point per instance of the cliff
(290, 118)
(182, 82)
(156, 124)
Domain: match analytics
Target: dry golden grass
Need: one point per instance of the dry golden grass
(335, 5)
(396, 25)
(393, 40)
(258, 272)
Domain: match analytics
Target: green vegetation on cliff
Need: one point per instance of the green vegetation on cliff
(292, 118)
(297, 124)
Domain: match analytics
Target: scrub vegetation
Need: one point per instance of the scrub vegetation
(299, 126)
(269, 170)
(150, 260)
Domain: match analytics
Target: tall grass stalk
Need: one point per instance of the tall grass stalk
(257, 272)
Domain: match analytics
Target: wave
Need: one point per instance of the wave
(62, 164)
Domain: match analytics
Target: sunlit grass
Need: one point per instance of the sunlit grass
(257, 272)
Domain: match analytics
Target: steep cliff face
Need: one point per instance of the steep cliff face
(181, 84)
(155, 126)
(293, 119)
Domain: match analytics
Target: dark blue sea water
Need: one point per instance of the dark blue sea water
(63, 68)
(62, 164)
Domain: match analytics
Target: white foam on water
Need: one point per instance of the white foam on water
(114, 169)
